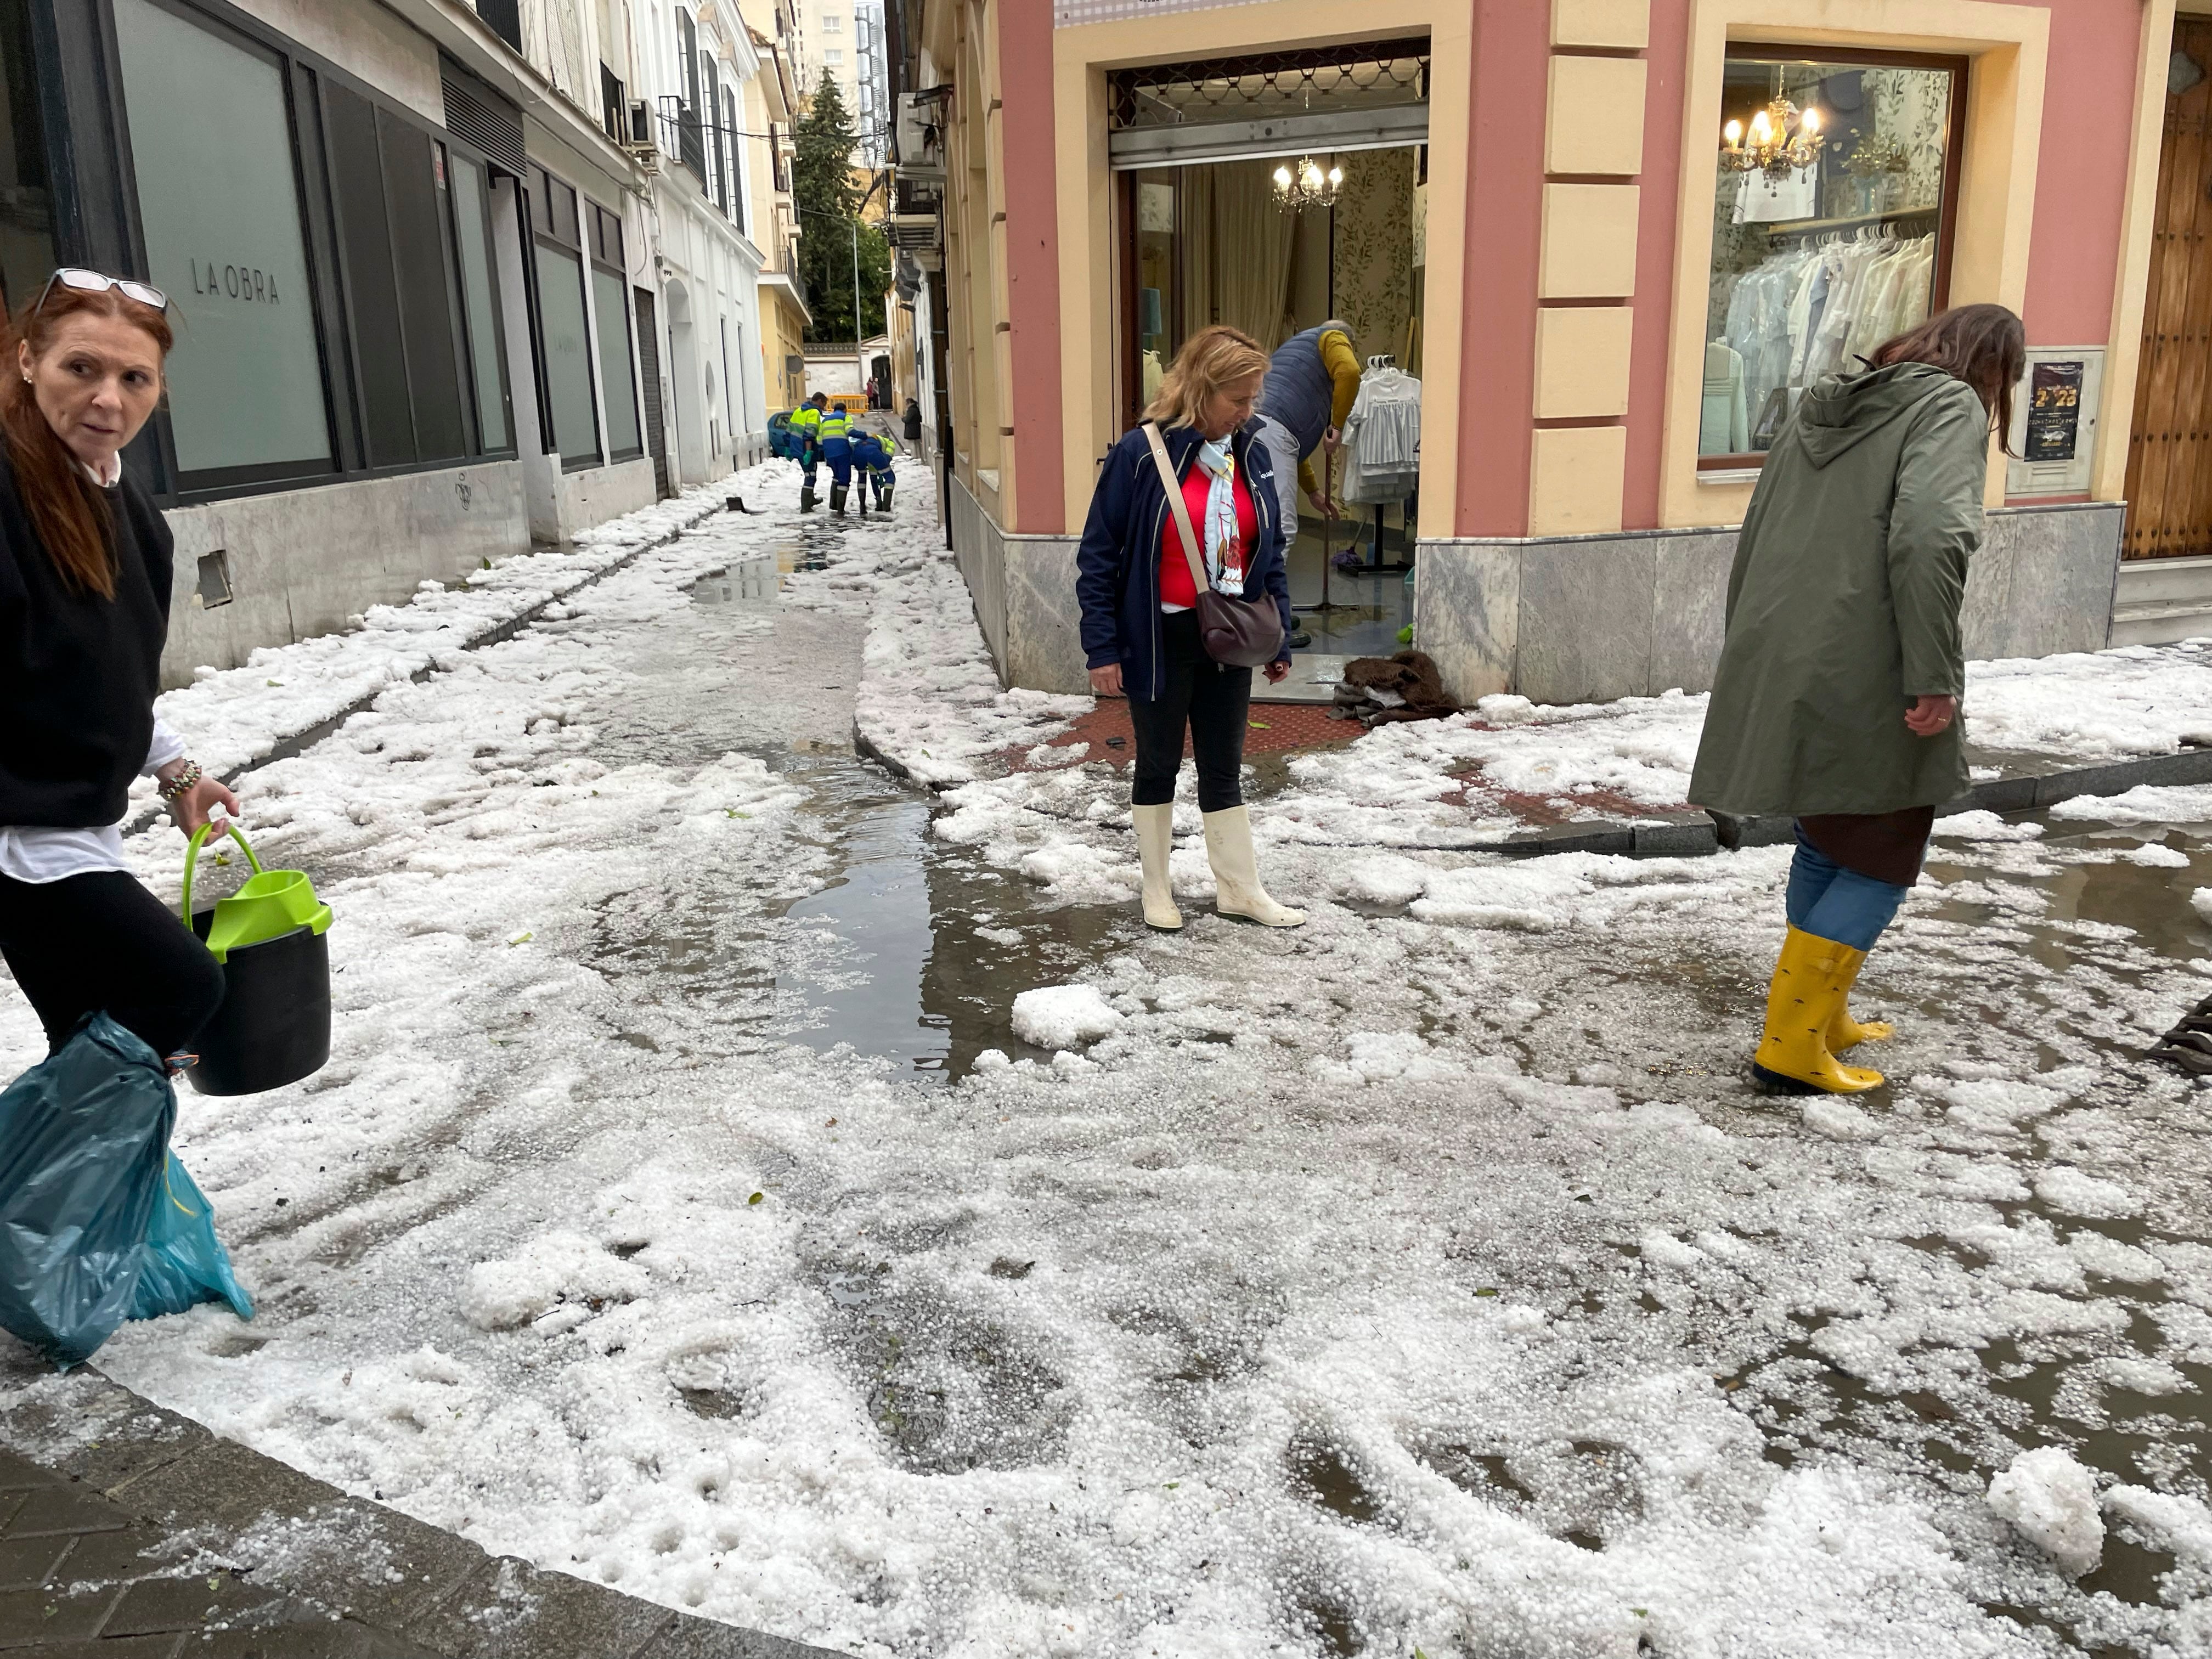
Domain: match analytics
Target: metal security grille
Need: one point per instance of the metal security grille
(479, 116)
(1368, 95)
(1375, 74)
(2169, 486)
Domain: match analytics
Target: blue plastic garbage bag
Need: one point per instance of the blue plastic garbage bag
(184, 1262)
(84, 1159)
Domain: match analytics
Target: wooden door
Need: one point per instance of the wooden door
(2170, 448)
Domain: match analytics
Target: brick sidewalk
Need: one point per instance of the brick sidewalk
(1106, 734)
(149, 1538)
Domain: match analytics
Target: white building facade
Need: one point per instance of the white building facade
(695, 61)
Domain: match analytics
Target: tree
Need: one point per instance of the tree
(829, 198)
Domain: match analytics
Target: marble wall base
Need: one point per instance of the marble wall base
(1024, 591)
(302, 562)
(1590, 619)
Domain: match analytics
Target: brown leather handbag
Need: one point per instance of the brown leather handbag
(1236, 633)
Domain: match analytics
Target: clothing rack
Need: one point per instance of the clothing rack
(1861, 223)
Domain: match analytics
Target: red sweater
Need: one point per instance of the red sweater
(1176, 587)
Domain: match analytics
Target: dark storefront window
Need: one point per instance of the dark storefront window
(399, 279)
(564, 338)
(611, 304)
(328, 256)
(480, 298)
(27, 223)
(246, 395)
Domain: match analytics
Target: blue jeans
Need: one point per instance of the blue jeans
(1829, 901)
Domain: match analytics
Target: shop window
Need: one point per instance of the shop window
(1833, 221)
(414, 185)
(480, 301)
(564, 339)
(245, 393)
(609, 300)
(27, 236)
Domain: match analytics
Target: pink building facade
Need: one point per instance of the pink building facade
(1610, 303)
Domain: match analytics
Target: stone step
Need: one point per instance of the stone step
(2161, 622)
(2165, 582)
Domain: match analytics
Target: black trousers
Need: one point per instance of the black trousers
(101, 941)
(1213, 702)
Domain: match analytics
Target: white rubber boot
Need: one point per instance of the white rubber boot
(1155, 839)
(1236, 873)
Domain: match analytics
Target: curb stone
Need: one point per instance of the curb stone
(1691, 835)
(128, 1529)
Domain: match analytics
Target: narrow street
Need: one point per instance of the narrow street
(681, 1210)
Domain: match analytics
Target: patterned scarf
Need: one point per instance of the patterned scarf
(1220, 529)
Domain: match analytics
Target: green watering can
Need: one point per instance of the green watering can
(274, 1025)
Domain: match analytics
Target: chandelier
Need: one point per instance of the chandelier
(1771, 146)
(1306, 186)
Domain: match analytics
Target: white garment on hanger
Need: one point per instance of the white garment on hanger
(1383, 437)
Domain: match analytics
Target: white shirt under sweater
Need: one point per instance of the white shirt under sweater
(39, 854)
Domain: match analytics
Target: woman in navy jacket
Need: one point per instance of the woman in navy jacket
(1141, 631)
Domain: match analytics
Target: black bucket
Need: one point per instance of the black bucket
(274, 1025)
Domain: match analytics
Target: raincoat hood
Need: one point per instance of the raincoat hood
(1841, 410)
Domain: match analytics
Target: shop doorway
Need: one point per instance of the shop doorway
(1275, 193)
(2169, 488)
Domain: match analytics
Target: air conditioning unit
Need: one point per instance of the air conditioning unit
(648, 157)
(919, 136)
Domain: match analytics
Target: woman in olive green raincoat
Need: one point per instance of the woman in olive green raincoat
(1837, 700)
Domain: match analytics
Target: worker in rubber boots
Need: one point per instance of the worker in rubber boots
(1312, 380)
(836, 437)
(872, 461)
(807, 432)
(1837, 699)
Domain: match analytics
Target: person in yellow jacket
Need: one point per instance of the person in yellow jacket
(1312, 381)
(834, 434)
(806, 428)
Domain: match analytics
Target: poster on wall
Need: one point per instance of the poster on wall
(2054, 411)
(1068, 13)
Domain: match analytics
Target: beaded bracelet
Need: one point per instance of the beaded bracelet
(187, 775)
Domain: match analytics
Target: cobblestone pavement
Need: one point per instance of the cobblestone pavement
(132, 1533)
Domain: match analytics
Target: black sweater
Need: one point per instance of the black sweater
(78, 673)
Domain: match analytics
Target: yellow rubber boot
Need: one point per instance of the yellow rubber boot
(1844, 1031)
(1801, 1004)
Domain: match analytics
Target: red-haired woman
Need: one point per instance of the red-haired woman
(84, 610)
(1837, 699)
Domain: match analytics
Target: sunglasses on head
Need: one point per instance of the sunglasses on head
(94, 281)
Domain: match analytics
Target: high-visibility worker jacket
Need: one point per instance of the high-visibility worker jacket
(806, 422)
(835, 423)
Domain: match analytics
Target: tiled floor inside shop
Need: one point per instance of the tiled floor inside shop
(1367, 611)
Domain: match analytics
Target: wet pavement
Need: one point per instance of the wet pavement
(934, 1247)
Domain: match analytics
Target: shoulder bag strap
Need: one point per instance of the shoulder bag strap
(1174, 487)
